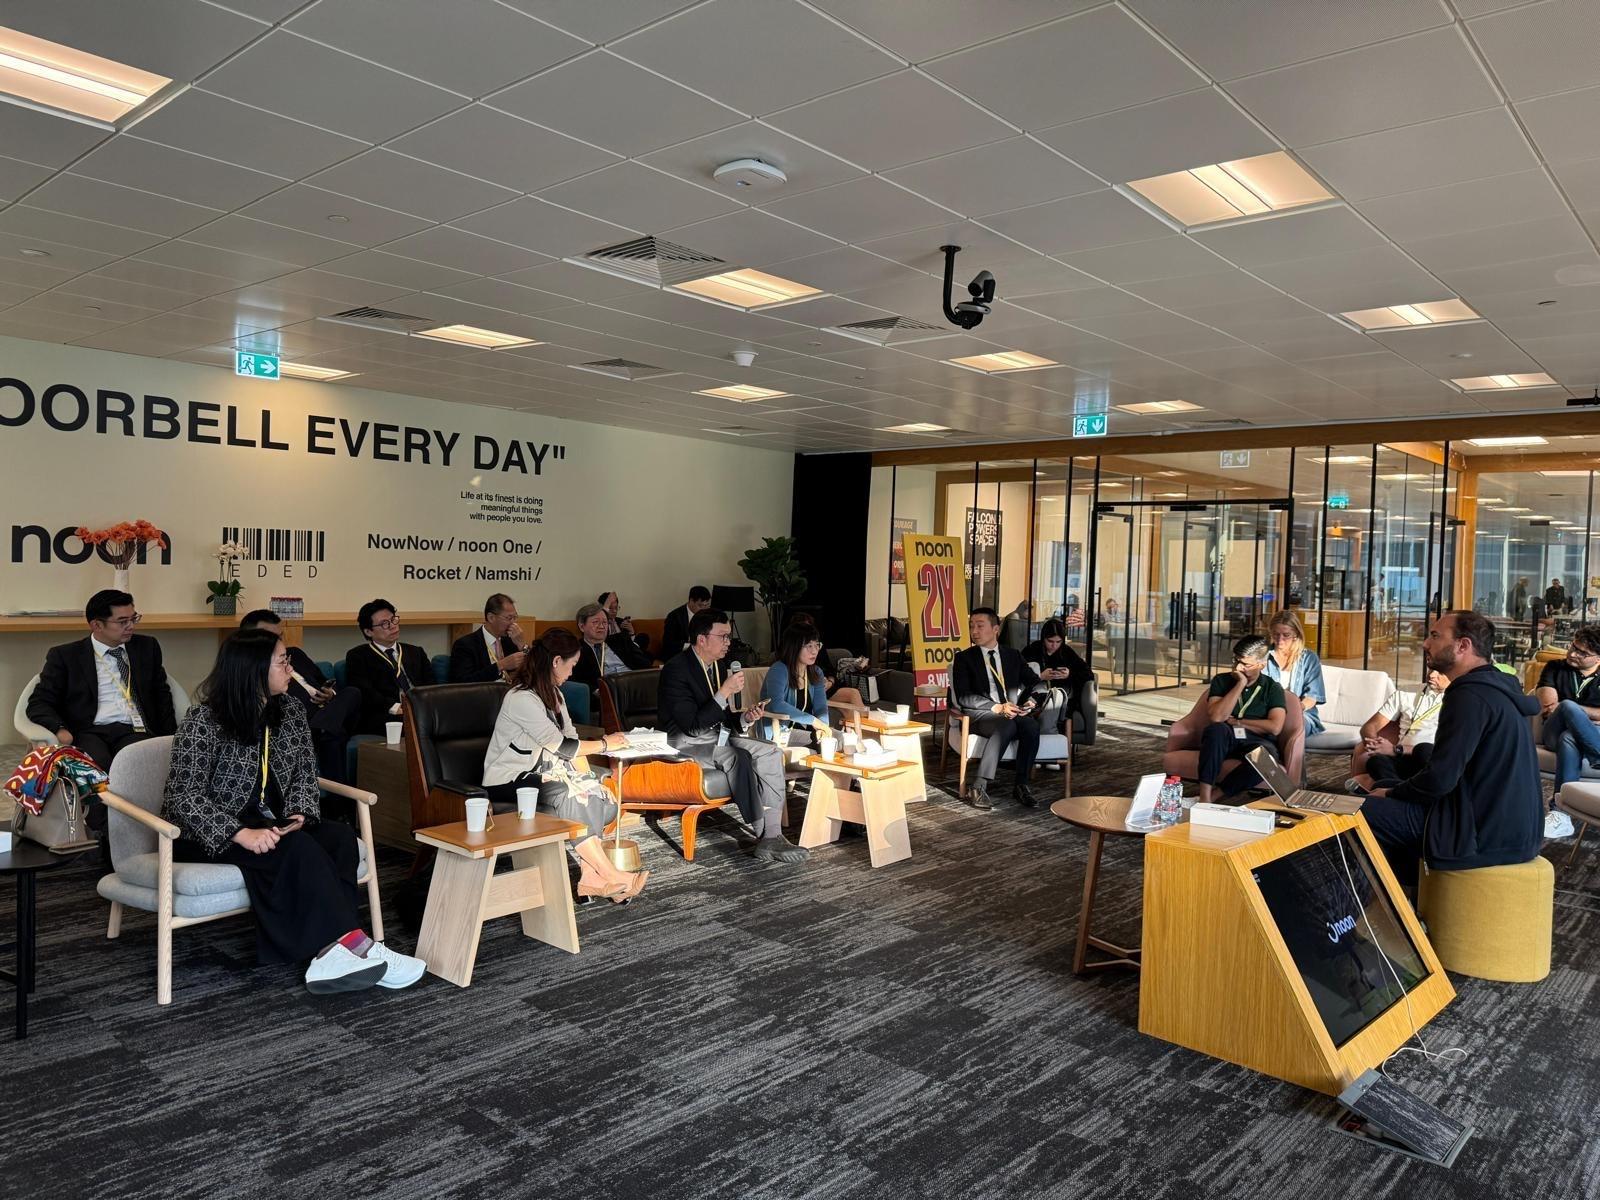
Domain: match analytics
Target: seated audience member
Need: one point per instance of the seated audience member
(1380, 762)
(604, 655)
(107, 690)
(1060, 667)
(1478, 802)
(383, 667)
(1015, 629)
(794, 687)
(675, 633)
(833, 691)
(1247, 708)
(1297, 670)
(535, 744)
(622, 625)
(1000, 692)
(494, 649)
(243, 790)
(1555, 597)
(694, 707)
(1568, 693)
(331, 712)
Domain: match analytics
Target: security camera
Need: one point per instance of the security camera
(969, 313)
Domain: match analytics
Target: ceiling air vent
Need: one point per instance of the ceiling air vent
(622, 368)
(653, 261)
(889, 331)
(367, 317)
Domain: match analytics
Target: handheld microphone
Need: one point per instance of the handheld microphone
(733, 669)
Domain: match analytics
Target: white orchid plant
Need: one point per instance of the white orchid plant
(226, 554)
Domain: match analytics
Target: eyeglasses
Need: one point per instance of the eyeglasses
(124, 622)
(391, 623)
(720, 637)
(812, 646)
(280, 660)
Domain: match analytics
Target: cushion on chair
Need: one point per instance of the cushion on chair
(198, 878)
(1335, 738)
(454, 722)
(577, 697)
(1582, 800)
(441, 667)
(635, 694)
(138, 775)
(1353, 696)
(1491, 922)
(716, 782)
(113, 887)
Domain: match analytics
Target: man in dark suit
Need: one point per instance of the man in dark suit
(694, 708)
(601, 654)
(494, 649)
(331, 711)
(997, 690)
(675, 632)
(382, 667)
(107, 690)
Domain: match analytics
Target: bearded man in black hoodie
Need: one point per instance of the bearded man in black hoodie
(1478, 802)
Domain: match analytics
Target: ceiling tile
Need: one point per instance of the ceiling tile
(1193, 129)
(308, 209)
(807, 167)
(237, 232)
(1456, 149)
(576, 283)
(97, 201)
(1358, 279)
(1214, 289)
(860, 210)
(1438, 351)
(297, 78)
(1542, 48)
(1462, 207)
(994, 178)
(42, 138)
(465, 251)
(751, 238)
(29, 222)
(1098, 301)
(411, 185)
(1086, 64)
(175, 38)
(942, 26)
(633, 195)
(497, 293)
(890, 121)
(226, 264)
(219, 128)
(1103, 218)
(1556, 273)
(599, 22)
(395, 269)
(18, 177)
(1280, 33)
(503, 149)
(1291, 235)
(1399, 82)
(1134, 262)
(1502, 243)
(756, 55)
(535, 225)
(183, 176)
(469, 46)
(1563, 126)
(612, 103)
(152, 274)
(61, 258)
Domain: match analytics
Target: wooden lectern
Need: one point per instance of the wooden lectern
(1257, 951)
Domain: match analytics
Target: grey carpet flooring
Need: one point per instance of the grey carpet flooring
(762, 1031)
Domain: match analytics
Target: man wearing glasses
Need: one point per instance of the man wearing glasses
(108, 690)
(1569, 699)
(383, 667)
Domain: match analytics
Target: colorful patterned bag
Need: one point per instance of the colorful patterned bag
(51, 786)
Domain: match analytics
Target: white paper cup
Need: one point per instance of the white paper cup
(391, 732)
(527, 802)
(902, 713)
(828, 747)
(851, 741)
(477, 813)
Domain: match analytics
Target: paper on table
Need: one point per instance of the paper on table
(1142, 812)
(645, 743)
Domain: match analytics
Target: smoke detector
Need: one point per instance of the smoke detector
(743, 357)
(750, 174)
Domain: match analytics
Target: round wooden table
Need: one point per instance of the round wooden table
(1101, 816)
(24, 860)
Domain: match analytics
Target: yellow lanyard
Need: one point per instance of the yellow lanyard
(999, 676)
(800, 690)
(600, 657)
(1418, 718)
(266, 751)
(1246, 701)
(713, 677)
(395, 662)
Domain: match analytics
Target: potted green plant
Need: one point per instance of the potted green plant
(774, 569)
(224, 597)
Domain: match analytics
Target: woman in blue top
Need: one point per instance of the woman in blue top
(794, 688)
(1297, 670)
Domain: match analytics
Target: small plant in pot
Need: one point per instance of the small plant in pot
(224, 597)
(775, 570)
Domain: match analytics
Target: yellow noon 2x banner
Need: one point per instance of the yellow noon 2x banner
(936, 602)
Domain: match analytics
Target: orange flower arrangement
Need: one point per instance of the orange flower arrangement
(121, 541)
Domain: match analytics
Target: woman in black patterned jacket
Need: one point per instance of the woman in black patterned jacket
(243, 789)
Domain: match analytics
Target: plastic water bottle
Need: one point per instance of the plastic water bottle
(1169, 804)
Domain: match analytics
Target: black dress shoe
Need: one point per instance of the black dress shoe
(1024, 796)
(778, 850)
(978, 796)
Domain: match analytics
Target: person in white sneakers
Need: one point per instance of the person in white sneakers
(242, 788)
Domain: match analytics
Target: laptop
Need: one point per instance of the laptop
(1291, 796)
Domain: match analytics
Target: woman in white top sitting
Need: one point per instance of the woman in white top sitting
(535, 744)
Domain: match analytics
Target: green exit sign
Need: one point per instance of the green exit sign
(1338, 500)
(255, 366)
(1089, 425)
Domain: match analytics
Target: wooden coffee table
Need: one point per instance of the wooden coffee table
(905, 740)
(465, 891)
(1102, 816)
(880, 805)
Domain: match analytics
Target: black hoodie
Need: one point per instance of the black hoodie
(1482, 789)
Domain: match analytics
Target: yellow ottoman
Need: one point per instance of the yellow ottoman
(1493, 922)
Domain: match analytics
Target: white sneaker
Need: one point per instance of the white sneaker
(1557, 824)
(338, 970)
(403, 969)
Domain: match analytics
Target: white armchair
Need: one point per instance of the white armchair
(38, 735)
(144, 876)
(1353, 697)
(958, 736)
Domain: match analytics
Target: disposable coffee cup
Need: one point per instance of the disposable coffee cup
(477, 813)
(391, 732)
(527, 802)
(828, 747)
(902, 713)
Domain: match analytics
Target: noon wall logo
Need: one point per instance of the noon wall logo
(38, 544)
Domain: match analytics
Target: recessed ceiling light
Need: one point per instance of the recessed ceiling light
(915, 427)
(1171, 495)
(1150, 407)
(1532, 439)
(1167, 474)
(471, 335)
(742, 393)
(1245, 187)
(307, 371)
(339, 218)
(1400, 476)
(1565, 474)
(1002, 361)
(96, 308)
(1516, 510)
(58, 77)
(1538, 517)
(30, 252)
(1344, 460)
(1490, 500)
(747, 289)
(1493, 383)
(1404, 316)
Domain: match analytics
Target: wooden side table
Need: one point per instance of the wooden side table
(1102, 816)
(465, 891)
(23, 861)
(880, 805)
(904, 740)
(381, 769)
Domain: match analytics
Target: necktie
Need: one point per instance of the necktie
(994, 670)
(125, 672)
(399, 671)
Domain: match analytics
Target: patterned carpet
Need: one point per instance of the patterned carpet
(749, 1030)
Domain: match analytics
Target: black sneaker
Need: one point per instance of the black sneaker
(778, 850)
(978, 795)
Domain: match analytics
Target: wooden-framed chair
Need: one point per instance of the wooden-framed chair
(143, 875)
(958, 737)
(1182, 754)
(447, 732)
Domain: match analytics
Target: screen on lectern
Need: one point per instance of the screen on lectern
(1335, 934)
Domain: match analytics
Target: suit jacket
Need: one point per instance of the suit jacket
(587, 672)
(686, 708)
(675, 632)
(469, 658)
(68, 695)
(969, 676)
(366, 668)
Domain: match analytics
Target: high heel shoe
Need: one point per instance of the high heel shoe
(592, 883)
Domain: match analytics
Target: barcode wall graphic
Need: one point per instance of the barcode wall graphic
(278, 545)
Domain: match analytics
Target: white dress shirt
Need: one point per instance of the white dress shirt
(113, 707)
(492, 642)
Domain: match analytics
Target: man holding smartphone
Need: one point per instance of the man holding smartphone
(999, 691)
